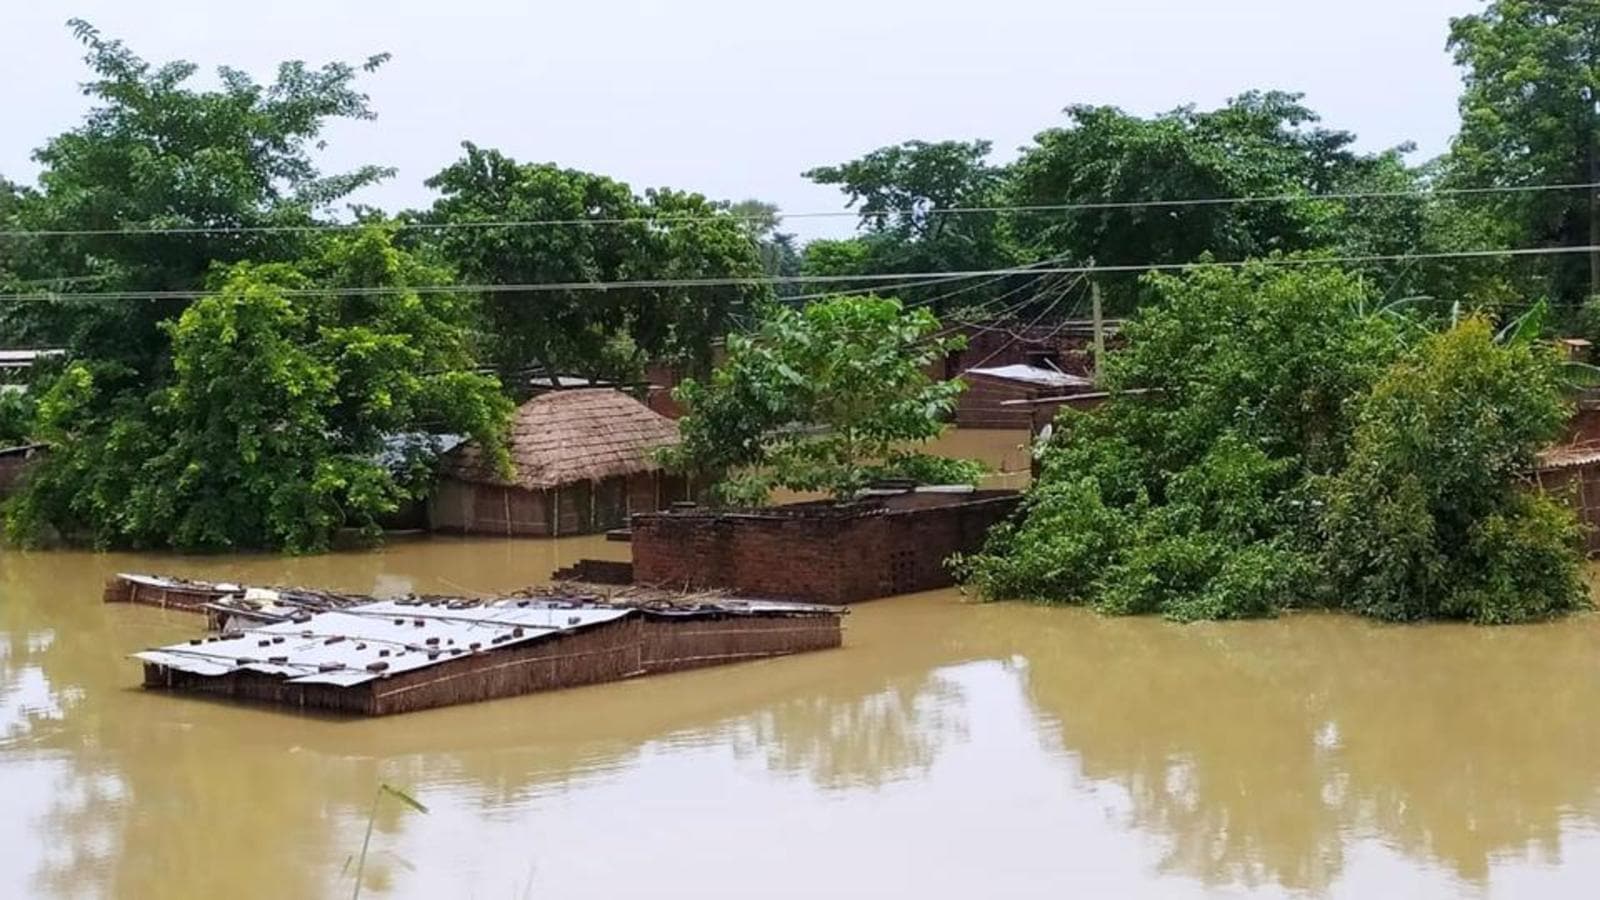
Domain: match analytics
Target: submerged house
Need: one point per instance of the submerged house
(582, 461)
(989, 400)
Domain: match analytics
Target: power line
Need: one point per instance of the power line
(823, 214)
(1060, 295)
(1036, 266)
(577, 286)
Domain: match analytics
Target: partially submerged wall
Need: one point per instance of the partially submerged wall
(819, 552)
(579, 508)
(14, 465)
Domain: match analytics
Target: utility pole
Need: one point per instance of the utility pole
(1591, 138)
(1099, 330)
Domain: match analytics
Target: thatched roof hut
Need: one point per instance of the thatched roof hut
(582, 461)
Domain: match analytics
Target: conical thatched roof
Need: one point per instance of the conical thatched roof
(572, 435)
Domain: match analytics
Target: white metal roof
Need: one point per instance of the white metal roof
(25, 357)
(1033, 375)
(361, 643)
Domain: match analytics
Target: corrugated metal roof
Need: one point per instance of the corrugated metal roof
(1570, 457)
(358, 644)
(1033, 375)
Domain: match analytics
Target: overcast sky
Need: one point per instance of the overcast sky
(734, 98)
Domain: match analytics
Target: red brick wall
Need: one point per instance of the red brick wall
(1579, 488)
(817, 552)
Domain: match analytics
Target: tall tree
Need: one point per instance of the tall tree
(289, 382)
(780, 257)
(155, 154)
(1259, 145)
(1530, 115)
(664, 235)
(904, 194)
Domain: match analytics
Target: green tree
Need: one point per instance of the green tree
(825, 398)
(664, 235)
(780, 256)
(1186, 494)
(11, 196)
(288, 381)
(155, 153)
(903, 193)
(1430, 518)
(1529, 117)
(1260, 144)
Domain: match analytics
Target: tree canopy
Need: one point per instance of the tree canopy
(1530, 115)
(153, 155)
(904, 194)
(663, 235)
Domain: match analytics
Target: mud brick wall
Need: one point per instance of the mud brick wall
(14, 466)
(817, 552)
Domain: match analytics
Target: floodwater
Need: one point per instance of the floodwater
(950, 749)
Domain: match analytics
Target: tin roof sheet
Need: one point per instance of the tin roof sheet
(1033, 375)
(351, 646)
(1569, 457)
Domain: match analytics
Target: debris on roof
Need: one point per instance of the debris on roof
(376, 657)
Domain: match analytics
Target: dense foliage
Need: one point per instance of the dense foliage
(1428, 519)
(16, 417)
(1180, 495)
(155, 153)
(1530, 114)
(291, 381)
(664, 235)
(822, 399)
(252, 416)
(1271, 444)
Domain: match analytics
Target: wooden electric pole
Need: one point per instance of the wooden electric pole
(1593, 152)
(1099, 330)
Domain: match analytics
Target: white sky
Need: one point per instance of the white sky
(734, 98)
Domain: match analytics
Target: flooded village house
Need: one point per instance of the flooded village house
(582, 461)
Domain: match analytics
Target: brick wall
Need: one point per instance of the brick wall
(817, 552)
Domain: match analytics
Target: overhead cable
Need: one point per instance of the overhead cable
(576, 286)
(654, 221)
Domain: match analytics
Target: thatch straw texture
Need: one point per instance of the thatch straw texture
(572, 435)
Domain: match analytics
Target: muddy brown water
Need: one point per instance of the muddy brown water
(949, 750)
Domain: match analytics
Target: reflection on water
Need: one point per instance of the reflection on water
(948, 750)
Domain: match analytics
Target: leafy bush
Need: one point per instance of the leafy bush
(1428, 519)
(16, 417)
(822, 399)
(1186, 498)
(1286, 449)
